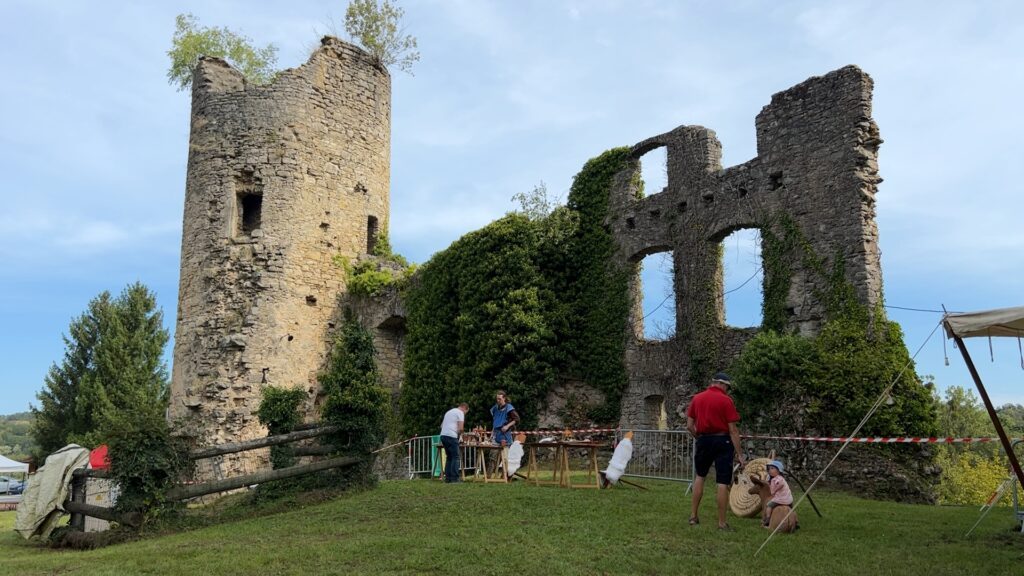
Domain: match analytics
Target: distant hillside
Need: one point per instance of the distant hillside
(15, 435)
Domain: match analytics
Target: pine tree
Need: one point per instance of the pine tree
(112, 363)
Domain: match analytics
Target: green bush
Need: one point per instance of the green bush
(859, 357)
(371, 277)
(355, 401)
(825, 385)
(970, 477)
(146, 460)
(279, 412)
(774, 381)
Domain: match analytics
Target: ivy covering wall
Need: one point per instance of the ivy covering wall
(826, 384)
(515, 305)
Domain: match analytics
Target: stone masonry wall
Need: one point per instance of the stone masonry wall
(816, 163)
(282, 180)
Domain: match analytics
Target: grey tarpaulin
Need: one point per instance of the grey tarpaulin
(999, 322)
(42, 504)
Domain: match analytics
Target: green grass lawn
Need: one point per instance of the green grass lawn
(425, 527)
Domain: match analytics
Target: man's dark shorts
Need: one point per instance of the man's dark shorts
(718, 450)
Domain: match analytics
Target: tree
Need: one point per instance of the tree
(113, 364)
(356, 403)
(961, 414)
(190, 42)
(1012, 417)
(375, 24)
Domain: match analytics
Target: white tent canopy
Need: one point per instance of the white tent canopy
(8, 465)
(999, 322)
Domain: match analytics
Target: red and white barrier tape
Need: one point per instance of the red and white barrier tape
(881, 440)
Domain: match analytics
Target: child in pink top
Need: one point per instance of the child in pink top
(781, 496)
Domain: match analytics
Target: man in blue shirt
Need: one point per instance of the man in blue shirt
(505, 419)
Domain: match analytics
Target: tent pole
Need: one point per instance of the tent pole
(988, 406)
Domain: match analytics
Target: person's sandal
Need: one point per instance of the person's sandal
(694, 520)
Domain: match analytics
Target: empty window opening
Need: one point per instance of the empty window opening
(654, 170)
(659, 297)
(252, 212)
(775, 181)
(371, 234)
(654, 412)
(743, 272)
(248, 204)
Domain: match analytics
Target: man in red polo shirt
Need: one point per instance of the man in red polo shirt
(711, 418)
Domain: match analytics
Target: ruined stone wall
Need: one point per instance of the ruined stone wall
(282, 180)
(816, 164)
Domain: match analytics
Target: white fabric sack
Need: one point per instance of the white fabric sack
(620, 459)
(515, 457)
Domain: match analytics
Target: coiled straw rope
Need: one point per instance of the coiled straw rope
(743, 503)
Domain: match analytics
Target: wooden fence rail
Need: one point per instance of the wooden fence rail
(186, 492)
(79, 509)
(260, 442)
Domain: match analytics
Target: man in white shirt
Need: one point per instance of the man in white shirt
(451, 429)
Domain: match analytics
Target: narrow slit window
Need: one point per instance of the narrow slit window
(371, 234)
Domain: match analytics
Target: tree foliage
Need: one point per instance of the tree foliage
(971, 477)
(16, 440)
(279, 412)
(355, 401)
(146, 459)
(825, 385)
(477, 323)
(113, 363)
(190, 41)
(516, 304)
(376, 26)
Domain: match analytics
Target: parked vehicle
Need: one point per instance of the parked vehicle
(9, 485)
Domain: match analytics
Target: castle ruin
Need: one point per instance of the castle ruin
(816, 166)
(287, 180)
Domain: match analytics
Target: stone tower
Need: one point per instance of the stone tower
(284, 181)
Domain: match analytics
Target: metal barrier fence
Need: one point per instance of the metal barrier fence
(661, 455)
(424, 461)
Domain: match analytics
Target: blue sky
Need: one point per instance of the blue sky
(508, 94)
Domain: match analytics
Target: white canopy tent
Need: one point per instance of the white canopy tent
(7, 466)
(1002, 322)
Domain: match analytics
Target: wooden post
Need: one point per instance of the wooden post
(77, 497)
(82, 510)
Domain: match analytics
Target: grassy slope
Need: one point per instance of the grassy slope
(424, 527)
